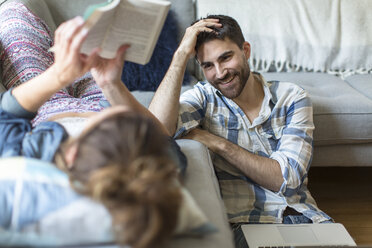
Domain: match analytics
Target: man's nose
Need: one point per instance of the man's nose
(220, 72)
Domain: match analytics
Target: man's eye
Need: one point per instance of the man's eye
(227, 57)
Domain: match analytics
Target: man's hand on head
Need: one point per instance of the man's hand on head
(187, 45)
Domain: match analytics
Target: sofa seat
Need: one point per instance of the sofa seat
(342, 115)
(342, 108)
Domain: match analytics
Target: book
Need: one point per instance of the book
(117, 22)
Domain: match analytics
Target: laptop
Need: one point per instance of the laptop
(296, 235)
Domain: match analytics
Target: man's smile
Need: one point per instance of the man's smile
(229, 81)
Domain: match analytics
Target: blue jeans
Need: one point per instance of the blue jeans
(239, 238)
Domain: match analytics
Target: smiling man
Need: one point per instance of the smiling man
(259, 133)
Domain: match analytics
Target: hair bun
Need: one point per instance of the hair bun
(144, 181)
(143, 197)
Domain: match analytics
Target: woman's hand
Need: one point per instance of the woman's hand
(69, 63)
(108, 71)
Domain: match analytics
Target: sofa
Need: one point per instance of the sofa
(341, 94)
(337, 72)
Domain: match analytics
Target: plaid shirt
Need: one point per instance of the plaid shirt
(283, 131)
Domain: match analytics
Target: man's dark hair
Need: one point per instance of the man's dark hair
(230, 29)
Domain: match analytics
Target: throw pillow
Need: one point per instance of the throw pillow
(148, 77)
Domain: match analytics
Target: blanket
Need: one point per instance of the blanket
(333, 36)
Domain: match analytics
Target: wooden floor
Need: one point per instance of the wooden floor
(346, 195)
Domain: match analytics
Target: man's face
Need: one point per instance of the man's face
(225, 65)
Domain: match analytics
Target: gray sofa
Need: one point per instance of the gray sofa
(342, 111)
(342, 105)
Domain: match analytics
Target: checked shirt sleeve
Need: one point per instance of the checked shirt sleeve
(295, 148)
(192, 110)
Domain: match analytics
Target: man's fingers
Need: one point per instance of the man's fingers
(205, 25)
(208, 23)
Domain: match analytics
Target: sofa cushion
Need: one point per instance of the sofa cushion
(145, 97)
(342, 114)
(347, 155)
(361, 83)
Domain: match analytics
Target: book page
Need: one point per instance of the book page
(98, 22)
(138, 23)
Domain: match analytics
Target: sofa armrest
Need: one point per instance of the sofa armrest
(202, 183)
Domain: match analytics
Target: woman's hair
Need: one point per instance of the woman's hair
(124, 163)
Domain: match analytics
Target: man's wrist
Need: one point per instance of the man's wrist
(213, 142)
(181, 56)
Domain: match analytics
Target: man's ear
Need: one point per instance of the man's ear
(70, 154)
(247, 49)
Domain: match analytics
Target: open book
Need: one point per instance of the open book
(117, 22)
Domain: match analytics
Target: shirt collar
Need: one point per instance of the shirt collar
(265, 111)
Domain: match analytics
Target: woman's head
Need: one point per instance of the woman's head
(123, 162)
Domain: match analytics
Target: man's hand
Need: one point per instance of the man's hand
(187, 46)
(204, 137)
(108, 71)
(69, 63)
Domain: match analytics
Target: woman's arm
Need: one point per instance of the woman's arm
(107, 74)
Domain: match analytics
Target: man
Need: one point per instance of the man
(259, 133)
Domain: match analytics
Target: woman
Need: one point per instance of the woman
(123, 158)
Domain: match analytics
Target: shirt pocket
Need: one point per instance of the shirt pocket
(274, 133)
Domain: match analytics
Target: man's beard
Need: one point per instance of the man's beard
(236, 89)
